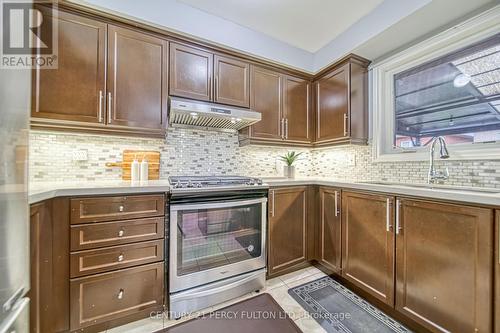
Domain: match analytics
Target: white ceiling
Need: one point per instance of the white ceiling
(308, 25)
(321, 31)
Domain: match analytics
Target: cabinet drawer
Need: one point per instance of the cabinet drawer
(87, 210)
(90, 236)
(100, 298)
(116, 257)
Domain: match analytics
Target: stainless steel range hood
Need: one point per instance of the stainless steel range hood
(190, 113)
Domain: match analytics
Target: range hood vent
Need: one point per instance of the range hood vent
(189, 113)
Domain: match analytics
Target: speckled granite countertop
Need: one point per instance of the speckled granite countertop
(478, 195)
(43, 191)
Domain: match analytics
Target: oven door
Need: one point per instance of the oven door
(210, 241)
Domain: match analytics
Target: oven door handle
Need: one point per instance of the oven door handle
(219, 204)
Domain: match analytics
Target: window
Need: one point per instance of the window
(448, 85)
(456, 96)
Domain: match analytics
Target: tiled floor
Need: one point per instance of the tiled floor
(277, 287)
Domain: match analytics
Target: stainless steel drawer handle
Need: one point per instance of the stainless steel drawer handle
(120, 294)
(121, 208)
(286, 128)
(336, 204)
(272, 211)
(121, 233)
(110, 108)
(398, 207)
(101, 99)
(345, 124)
(121, 257)
(388, 215)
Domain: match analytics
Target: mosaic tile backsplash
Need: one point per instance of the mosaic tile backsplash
(197, 152)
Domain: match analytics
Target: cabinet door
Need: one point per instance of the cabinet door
(287, 229)
(137, 79)
(49, 266)
(330, 245)
(444, 268)
(368, 243)
(265, 97)
(190, 72)
(296, 106)
(497, 272)
(232, 81)
(41, 268)
(332, 103)
(73, 91)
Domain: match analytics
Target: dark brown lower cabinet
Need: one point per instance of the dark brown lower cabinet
(49, 244)
(104, 297)
(368, 243)
(497, 272)
(330, 236)
(443, 267)
(287, 229)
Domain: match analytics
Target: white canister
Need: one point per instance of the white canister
(134, 171)
(144, 170)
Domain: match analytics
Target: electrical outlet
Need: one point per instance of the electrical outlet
(80, 155)
(351, 160)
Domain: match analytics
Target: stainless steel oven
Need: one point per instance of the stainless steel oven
(217, 246)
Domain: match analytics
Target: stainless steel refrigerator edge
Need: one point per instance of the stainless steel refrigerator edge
(15, 99)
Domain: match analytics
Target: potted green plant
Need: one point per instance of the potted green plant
(290, 158)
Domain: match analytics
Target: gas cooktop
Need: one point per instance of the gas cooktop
(212, 181)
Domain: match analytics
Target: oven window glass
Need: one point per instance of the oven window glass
(209, 238)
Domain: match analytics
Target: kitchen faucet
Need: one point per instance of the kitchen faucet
(433, 176)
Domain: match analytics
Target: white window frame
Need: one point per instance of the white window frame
(466, 33)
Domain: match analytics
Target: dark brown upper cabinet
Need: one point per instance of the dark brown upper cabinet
(330, 229)
(127, 94)
(74, 92)
(368, 243)
(342, 104)
(232, 81)
(297, 110)
(443, 268)
(191, 71)
(284, 103)
(137, 80)
(287, 229)
(265, 97)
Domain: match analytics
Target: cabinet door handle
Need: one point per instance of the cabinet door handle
(345, 124)
(388, 225)
(121, 257)
(110, 99)
(121, 208)
(216, 82)
(121, 233)
(286, 128)
(336, 204)
(398, 207)
(282, 128)
(101, 99)
(272, 199)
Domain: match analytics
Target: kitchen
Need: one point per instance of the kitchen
(336, 177)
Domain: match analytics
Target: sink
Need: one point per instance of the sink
(436, 187)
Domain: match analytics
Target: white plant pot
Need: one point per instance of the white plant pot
(289, 171)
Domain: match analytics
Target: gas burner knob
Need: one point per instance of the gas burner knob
(198, 185)
(251, 182)
(178, 184)
(258, 181)
(189, 184)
